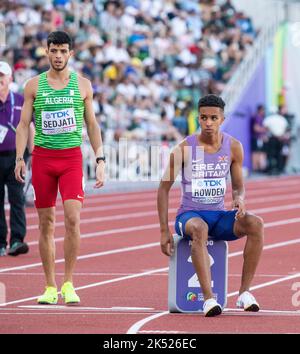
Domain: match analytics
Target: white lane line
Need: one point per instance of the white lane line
(235, 312)
(276, 208)
(124, 308)
(161, 332)
(87, 256)
(120, 250)
(252, 189)
(75, 274)
(106, 218)
(154, 212)
(78, 308)
(107, 232)
(268, 247)
(117, 313)
(91, 199)
(276, 281)
(288, 312)
(150, 226)
(258, 275)
(275, 198)
(282, 222)
(135, 328)
(116, 206)
(150, 272)
(110, 281)
(40, 274)
(130, 229)
(172, 199)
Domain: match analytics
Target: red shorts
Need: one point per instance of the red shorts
(56, 168)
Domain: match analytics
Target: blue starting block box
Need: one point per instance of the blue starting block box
(184, 293)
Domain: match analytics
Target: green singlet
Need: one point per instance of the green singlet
(58, 115)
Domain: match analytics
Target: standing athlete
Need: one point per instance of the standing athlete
(60, 100)
(205, 161)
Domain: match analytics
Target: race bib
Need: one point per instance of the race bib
(3, 132)
(208, 190)
(59, 122)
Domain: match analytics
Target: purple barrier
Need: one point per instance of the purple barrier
(237, 123)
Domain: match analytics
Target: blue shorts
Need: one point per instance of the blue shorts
(220, 223)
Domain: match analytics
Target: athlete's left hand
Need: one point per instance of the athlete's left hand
(239, 204)
(100, 174)
(20, 171)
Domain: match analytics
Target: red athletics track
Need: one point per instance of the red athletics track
(121, 274)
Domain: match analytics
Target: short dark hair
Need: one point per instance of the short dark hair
(59, 37)
(211, 101)
(260, 107)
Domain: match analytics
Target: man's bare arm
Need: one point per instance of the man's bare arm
(22, 131)
(31, 133)
(93, 131)
(237, 180)
(169, 177)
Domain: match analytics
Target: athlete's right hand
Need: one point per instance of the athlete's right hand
(20, 171)
(167, 243)
(100, 175)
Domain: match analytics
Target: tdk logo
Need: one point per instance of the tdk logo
(212, 183)
(209, 183)
(60, 114)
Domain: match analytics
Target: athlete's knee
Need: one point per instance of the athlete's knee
(254, 225)
(47, 225)
(199, 232)
(72, 222)
(254, 222)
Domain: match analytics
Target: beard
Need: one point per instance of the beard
(60, 68)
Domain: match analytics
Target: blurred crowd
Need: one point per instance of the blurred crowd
(271, 138)
(148, 60)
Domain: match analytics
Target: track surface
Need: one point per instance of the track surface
(121, 275)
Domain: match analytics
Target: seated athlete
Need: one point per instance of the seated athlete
(205, 161)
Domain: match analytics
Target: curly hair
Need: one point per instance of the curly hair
(211, 101)
(59, 37)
